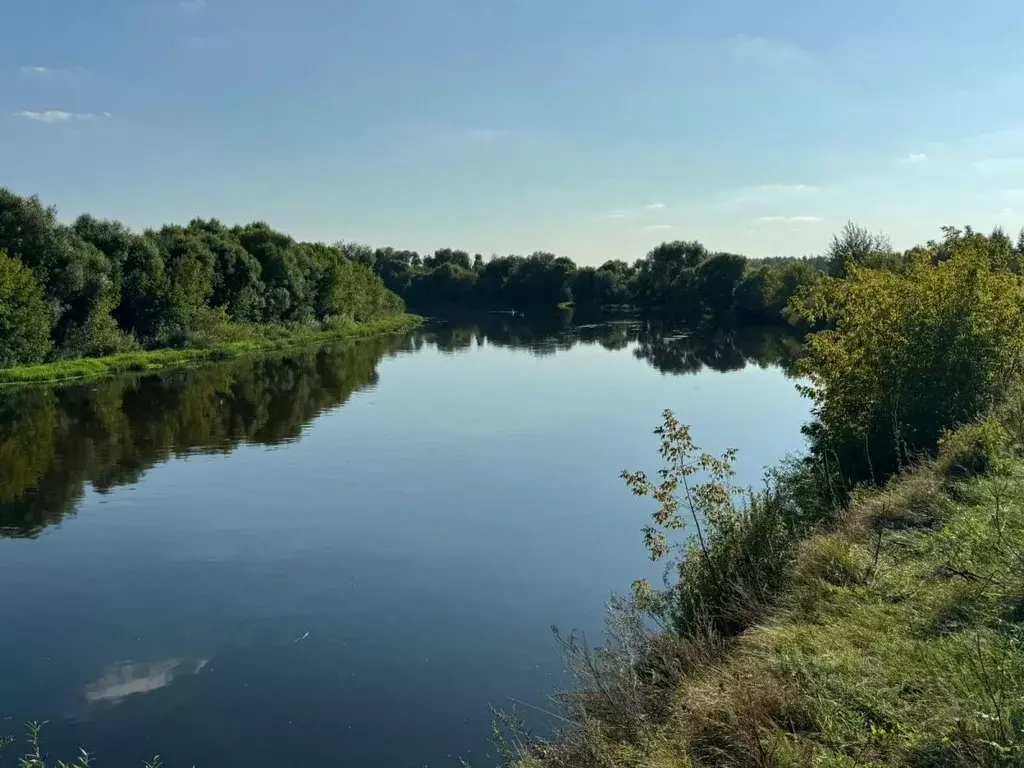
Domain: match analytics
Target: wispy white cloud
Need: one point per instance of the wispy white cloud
(769, 193)
(38, 70)
(658, 227)
(788, 219)
(787, 189)
(997, 165)
(765, 51)
(58, 116)
(632, 211)
(48, 116)
(916, 158)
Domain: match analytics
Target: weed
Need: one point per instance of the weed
(35, 757)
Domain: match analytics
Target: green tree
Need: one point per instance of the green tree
(284, 272)
(591, 287)
(25, 319)
(97, 333)
(444, 256)
(856, 245)
(493, 281)
(665, 279)
(393, 267)
(716, 281)
(750, 297)
(997, 248)
(76, 277)
(141, 280)
(447, 284)
(189, 268)
(764, 293)
(540, 280)
(237, 283)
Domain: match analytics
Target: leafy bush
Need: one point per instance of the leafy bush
(97, 335)
(213, 326)
(972, 449)
(737, 560)
(905, 357)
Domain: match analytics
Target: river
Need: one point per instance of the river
(344, 555)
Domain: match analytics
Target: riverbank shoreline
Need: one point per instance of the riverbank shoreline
(898, 637)
(88, 368)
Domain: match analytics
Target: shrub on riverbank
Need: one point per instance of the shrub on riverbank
(906, 356)
(728, 572)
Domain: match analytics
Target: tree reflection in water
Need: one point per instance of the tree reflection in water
(53, 441)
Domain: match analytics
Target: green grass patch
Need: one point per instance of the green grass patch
(903, 647)
(251, 343)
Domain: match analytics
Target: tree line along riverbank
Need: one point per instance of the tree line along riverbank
(93, 296)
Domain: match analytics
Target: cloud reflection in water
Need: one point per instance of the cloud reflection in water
(127, 678)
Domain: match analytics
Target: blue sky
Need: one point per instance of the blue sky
(592, 129)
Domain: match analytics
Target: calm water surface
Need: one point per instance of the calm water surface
(344, 555)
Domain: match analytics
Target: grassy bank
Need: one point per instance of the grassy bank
(895, 637)
(246, 341)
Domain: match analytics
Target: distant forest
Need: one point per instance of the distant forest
(680, 280)
(95, 287)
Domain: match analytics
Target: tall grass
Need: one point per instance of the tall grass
(35, 757)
